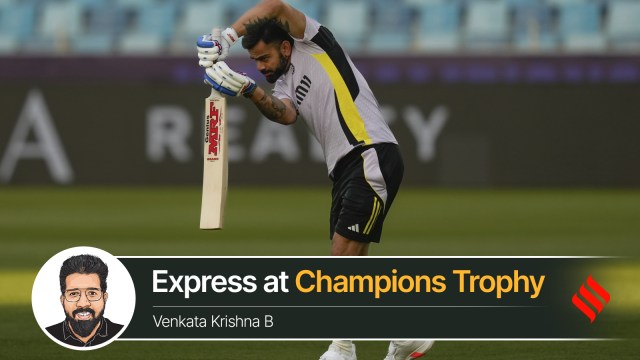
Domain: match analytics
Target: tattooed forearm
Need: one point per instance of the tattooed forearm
(271, 107)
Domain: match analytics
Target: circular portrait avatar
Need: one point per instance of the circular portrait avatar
(83, 298)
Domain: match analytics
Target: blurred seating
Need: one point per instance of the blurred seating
(390, 28)
(92, 44)
(140, 44)
(59, 23)
(514, 4)
(8, 45)
(98, 28)
(389, 43)
(235, 8)
(561, 3)
(313, 8)
(123, 4)
(198, 18)
(16, 25)
(487, 26)
(60, 18)
(147, 26)
(623, 27)
(158, 18)
(533, 27)
(93, 3)
(580, 28)
(151, 27)
(438, 26)
(349, 22)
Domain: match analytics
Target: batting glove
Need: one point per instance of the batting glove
(228, 82)
(212, 50)
(229, 37)
(209, 50)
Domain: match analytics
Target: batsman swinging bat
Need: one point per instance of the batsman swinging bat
(215, 169)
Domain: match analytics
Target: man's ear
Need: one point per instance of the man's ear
(105, 296)
(285, 48)
(62, 300)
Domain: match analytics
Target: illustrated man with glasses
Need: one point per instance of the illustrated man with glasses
(83, 283)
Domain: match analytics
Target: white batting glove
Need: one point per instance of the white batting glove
(213, 49)
(229, 37)
(228, 82)
(209, 50)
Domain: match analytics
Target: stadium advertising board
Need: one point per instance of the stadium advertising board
(464, 122)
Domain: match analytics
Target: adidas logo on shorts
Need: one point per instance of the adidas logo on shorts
(355, 228)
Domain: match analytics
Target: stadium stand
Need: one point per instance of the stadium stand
(60, 21)
(147, 27)
(349, 21)
(532, 27)
(390, 29)
(312, 8)
(580, 27)
(438, 24)
(197, 19)
(623, 25)
(16, 25)
(98, 28)
(487, 26)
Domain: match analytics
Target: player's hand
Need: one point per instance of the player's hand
(209, 50)
(228, 82)
(212, 50)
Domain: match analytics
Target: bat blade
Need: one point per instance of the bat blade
(215, 167)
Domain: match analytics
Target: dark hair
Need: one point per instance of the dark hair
(267, 30)
(84, 264)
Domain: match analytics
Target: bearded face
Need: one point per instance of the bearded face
(83, 302)
(272, 60)
(273, 74)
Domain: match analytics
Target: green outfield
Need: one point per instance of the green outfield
(36, 223)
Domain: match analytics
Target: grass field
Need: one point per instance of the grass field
(36, 223)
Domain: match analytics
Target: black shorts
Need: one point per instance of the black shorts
(365, 182)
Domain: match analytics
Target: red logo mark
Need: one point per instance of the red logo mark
(591, 298)
(214, 132)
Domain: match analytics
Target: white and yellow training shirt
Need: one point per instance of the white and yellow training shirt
(331, 95)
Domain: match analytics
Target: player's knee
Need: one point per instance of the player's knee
(341, 246)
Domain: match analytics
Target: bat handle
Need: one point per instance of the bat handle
(216, 34)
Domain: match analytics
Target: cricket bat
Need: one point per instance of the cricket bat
(215, 167)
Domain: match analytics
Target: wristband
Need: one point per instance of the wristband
(252, 88)
(230, 35)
